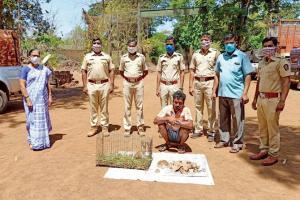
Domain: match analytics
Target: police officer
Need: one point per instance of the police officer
(133, 69)
(98, 83)
(201, 82)
(271, 92)
(170, 73)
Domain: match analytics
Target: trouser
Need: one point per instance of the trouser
(268, 122)
(203, 92)
(98, 99)
(231, 110)
(166, 93)
(133, 91)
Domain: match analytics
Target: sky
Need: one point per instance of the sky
(68, 14)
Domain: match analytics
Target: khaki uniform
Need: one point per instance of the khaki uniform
(98, 68)
(269, 74)
(170, 69)
(134, 90)
(204, 66)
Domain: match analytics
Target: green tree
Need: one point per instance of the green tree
(27, 14)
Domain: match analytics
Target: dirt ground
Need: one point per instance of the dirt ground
(67, 170)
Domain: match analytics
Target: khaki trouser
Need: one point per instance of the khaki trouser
(268, 121)
(166, 93)
(133, 91)
(98, 99)
(203, 92)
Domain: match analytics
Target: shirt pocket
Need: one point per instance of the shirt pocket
(271, 74)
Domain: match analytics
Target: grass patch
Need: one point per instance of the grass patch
(124, 161)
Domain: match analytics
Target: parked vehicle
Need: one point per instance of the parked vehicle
(295, 68)
(10, 67)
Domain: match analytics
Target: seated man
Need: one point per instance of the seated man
(175, 122)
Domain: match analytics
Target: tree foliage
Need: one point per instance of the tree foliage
(249, 19)
(27, 14)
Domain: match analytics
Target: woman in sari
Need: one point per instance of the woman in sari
(35, 87)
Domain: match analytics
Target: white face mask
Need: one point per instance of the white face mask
(205, 44)
(132, 50)
(97, 48)
(35, 60)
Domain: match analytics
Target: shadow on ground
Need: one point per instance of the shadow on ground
(286, 171)
(55, 137)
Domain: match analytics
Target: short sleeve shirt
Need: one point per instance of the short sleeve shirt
(269, 74)
(133, 68)
(232, 70)
(97, 66)
(169, 111)
(170, 66)
(204, 65)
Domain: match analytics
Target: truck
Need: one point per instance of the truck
(288, 36)
(10, 67)
(295, 67)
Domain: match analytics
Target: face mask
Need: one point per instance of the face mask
(205, 44)
(35, 60)
(230, 47)
(268, 52)
(97, 48)
(132, 50)
(170, 48)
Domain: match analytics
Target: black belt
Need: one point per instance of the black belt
(98, 81)
(201, 79)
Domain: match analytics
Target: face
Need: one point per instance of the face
(35, 57)
(170, 46)
(97, 46)
(35, 53)
(178, 104)
(132, 47)
(205, 42)
(269, 49)
(230, 41)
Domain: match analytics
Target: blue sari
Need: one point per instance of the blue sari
(38, 122)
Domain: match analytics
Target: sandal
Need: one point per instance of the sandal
(163, 148)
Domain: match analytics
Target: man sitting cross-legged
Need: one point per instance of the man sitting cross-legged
(175, 122)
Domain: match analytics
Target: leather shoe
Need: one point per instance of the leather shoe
(259, 156)
(270, 160)
(93, 131)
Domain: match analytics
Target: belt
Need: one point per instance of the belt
(98, 81)
(268, 95)
(169, 82)
(133, 80)
(201, 79)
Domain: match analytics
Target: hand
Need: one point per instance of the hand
(111, 88)
(214, 96)
(254, 104)
(158, 93)
(172, 120)
(85, 90)
(50, 101)
(191, 91)
(280, 106)
(29, 103)
(245, 99)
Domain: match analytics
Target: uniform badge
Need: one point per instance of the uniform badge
(286, 67)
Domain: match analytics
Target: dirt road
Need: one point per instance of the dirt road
(67, 170)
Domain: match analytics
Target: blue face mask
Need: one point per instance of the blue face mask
(230, 47)
(170, 48)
